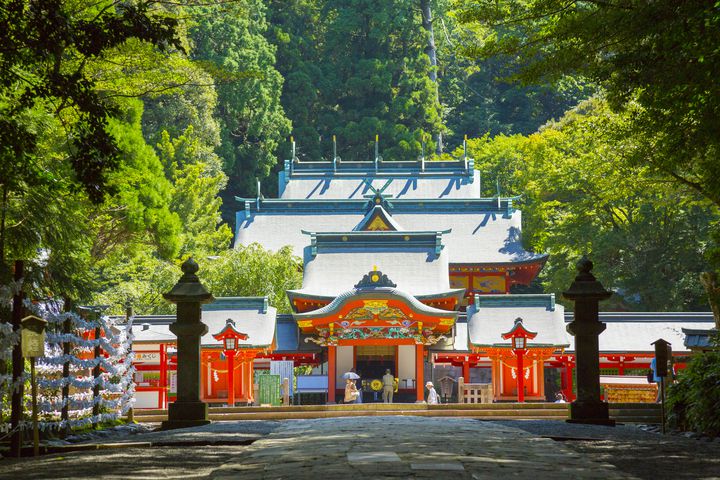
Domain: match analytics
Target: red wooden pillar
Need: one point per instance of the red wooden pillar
(420, 372)
(520, 376)
(331, 373)
(163, 393)
(568, 380)
(245, 379)
(230, 355)
(466, 370)
(251, 380)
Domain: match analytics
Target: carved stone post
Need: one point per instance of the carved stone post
(188, 294)
(587, 292)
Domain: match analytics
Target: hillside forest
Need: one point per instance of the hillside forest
(127, 129)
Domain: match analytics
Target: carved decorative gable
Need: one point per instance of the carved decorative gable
(377, 224)
(377, 220)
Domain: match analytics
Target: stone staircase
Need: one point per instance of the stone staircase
(623, 413)
(636, 412)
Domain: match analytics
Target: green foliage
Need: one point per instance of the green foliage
(44, 210)
(694, 401)
(252, 120)
(247, 271)
(377, 73)
(141, 205)
(58, 150)
(195, 199)
(359, 70)
(297, 30)
(477, 96)
(136, 279)
(46, 48)
(254, 271)
(581, 195)
(661, 54)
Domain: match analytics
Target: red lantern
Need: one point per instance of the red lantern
(230, 336)
(519, 336)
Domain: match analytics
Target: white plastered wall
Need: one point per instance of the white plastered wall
(344, 364)
(406, 364)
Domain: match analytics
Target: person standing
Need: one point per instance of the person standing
(432, 394)
(351, 391)
(656, 379)
(352, 375)
(358, 384)
(388, 386)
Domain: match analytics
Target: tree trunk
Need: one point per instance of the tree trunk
(432, 54)
(18, 369)
(710, 281)
(3, 215)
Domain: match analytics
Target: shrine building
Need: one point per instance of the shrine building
(403, 263)
(405, 267)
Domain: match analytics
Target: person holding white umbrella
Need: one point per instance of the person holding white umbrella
(351, 375)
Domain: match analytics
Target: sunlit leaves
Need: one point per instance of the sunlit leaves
(661, 54)
(581, 195)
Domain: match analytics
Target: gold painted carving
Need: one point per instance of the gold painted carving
(377, 224)
(375, 306)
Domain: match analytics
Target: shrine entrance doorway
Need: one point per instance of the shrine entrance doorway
(371, 362)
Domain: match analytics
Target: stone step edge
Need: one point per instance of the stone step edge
(377, 407)
(329, 414)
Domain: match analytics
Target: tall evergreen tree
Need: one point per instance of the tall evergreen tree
(376, 78)
(356, 69)
(297, 29)
(230, 37)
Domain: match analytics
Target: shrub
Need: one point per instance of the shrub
(694, 401)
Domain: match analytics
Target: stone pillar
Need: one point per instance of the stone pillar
(286, 391)
(587, 292)
(188, 294)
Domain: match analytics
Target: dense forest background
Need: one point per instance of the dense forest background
(128, 128)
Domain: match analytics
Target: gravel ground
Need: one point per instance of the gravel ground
(634, 449)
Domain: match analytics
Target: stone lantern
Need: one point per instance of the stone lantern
(188, 294)
(587, 292)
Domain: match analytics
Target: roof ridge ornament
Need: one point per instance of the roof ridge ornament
(378, 197)
(377, 219)
(374, 279)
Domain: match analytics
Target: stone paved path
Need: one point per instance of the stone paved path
(384, 447)
(408, 447)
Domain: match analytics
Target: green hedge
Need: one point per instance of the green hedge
(694, 401)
